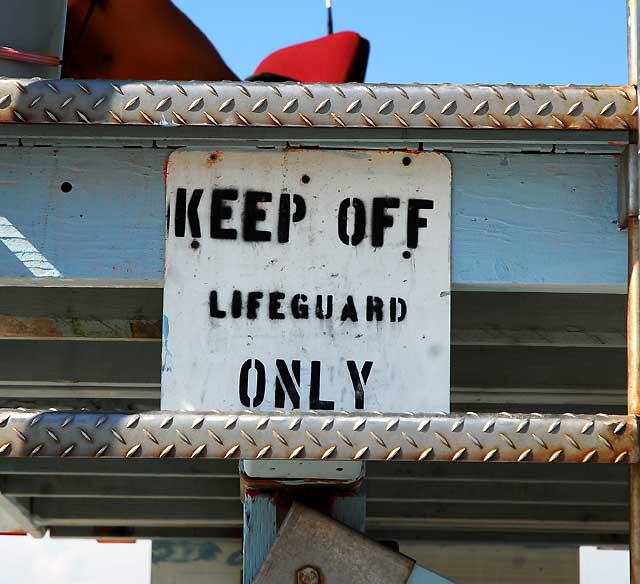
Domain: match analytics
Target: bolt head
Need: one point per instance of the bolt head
(308, 575)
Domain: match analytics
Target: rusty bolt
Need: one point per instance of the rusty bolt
(308, 575)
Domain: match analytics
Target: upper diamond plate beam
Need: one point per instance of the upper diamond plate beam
(314, 436)
(317, 105)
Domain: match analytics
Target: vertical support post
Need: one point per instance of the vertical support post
(259, 532)
(632, 40)
(633, 308)
(633, 390)
(271, 488)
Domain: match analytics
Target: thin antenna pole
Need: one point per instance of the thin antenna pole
(329, 17)
(632, 40)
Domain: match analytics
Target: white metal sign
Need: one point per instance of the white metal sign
(307, 280)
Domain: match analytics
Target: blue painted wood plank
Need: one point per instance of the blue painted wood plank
(350, 509)
(259, 532)
(109, 225)
(538, 219)
(521, 220)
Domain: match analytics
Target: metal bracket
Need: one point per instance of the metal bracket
(628, 185)
(301, 471)
(311, 548)
(14, 517)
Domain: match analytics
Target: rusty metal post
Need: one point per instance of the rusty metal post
(632, 40)
(633, 310)
(633, 391)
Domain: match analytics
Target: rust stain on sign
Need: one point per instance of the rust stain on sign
(214, 158)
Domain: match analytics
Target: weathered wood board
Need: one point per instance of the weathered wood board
(522, 221)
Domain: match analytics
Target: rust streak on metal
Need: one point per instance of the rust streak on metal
(49, 328)
(633, 323)
(214, 158)
(143, 329)
(11, 326)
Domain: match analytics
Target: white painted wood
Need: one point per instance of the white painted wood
(385, 346)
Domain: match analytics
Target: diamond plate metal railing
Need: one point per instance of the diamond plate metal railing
(500, 437)
(230, 104)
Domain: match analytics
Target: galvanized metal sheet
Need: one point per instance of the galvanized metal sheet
(317, 105)
(307, 280)
(312, 436)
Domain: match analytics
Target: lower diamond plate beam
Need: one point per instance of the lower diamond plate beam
(312, 436)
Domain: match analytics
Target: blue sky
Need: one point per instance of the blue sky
(435, 41)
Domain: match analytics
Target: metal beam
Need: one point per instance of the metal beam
(463, 398)
(118, 513)
(127, 467)
(142, 532)
(125, 487)
(20, 515)
(478, 318)
(370, 106)
(499, 437)
(567, 502)
(486, 374)
(110, 369)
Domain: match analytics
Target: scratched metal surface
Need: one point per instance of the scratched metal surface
(487, 438)
(317, 105)
(545, 503)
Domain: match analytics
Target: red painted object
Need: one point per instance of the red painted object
(28, 57)
(337, 58)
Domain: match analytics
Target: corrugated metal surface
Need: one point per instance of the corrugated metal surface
(439, 500)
